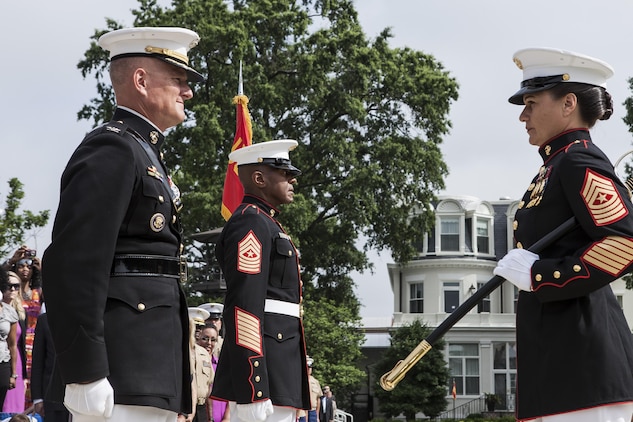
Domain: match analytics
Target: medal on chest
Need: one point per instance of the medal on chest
(537, 188)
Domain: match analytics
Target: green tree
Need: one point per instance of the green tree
(369, 120)
(423, 389)
(13, 223)
(628, 167)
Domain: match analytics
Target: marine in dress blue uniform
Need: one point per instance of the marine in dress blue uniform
(264, 355)
(574, 346)
(113, 270)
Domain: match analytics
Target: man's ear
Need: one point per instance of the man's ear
(258, 179)
(140, 79)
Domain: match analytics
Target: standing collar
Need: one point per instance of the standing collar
(561, 141)
(256, 200)
(141, 126)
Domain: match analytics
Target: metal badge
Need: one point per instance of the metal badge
(157, 222)
(153, 137)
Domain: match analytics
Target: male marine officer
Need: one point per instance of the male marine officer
(117, 314)
(262, 370)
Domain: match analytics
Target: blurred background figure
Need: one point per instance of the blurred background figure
(215, 318)
(218, 410)
(327, 406)
(14, 401)
(8, 343)
(42, 371)
(28, 267)
(315, 392)
(201, 365)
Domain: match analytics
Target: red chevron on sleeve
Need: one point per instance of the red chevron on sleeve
(602, 199)
(249, 255)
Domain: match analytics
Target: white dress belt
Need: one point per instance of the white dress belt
(283, 308)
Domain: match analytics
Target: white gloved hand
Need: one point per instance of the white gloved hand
(516, 267)
(255, 412)
(92, 399)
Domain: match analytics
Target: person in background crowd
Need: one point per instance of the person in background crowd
(215, 318)
(261, 375)
(14, 401)
(203, 370)
(327, 406)
(218, 410)
(315, 392)
(8, 341)
(28, 267)
(113, 271)
(42, 372)
(574, 345)
(20, 418)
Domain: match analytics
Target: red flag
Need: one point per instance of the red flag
(233, 191)
(454, 391)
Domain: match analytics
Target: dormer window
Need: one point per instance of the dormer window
(449, 234)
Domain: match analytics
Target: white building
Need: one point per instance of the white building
(457, 258)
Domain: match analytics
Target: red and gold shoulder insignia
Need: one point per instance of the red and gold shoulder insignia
(612, 254)
(247, 331)
(249, 254)
(602, 199)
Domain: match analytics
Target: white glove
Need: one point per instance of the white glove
(255, 412)
(516, 267)
(92, 399)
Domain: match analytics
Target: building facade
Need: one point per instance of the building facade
(455, 259)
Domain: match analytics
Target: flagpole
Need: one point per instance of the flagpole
(240, 86)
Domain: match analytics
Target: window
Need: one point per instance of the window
(504, 372)
(463, 364)
(484, 305)
(451, 296)
(449, 234)
(416, 298)
(483, 237)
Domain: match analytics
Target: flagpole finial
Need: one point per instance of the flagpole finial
(240, 87)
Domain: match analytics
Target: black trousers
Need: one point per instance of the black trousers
(201, 413)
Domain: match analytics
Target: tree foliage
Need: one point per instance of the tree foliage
(13, 223)
(423, 389)
(369, 120)
(628, 120)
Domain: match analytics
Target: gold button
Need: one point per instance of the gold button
(140, 306)
(519, 245)
(556, 274)
(515, 224)
(289, 253)
(161, 198)
(538, 277)
(256, 363)
(259, 394)
(257, 378)
(279, 336)
(577, 268)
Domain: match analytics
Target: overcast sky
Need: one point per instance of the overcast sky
(487, 150)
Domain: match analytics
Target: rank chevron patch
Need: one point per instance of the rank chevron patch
(249, 254)
(247, 331)
(612, 254)
(602, 199)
